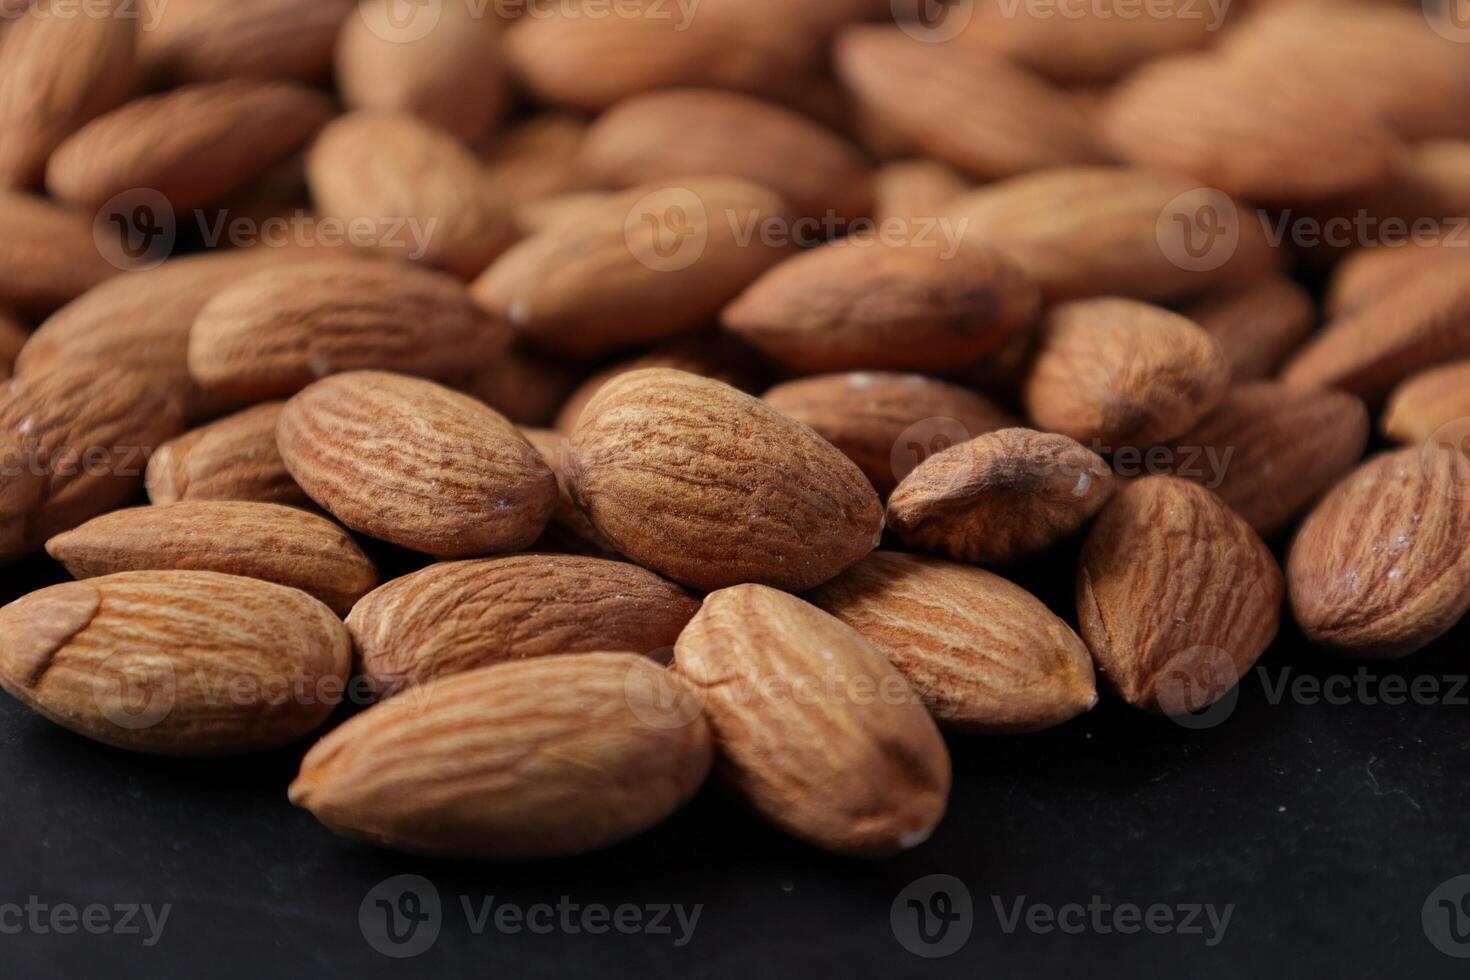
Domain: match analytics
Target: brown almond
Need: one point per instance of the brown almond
(874, 302)
(416, 464)
(984, 654)
(884, 422)
(1000, 497)
(908, 189)
(13, 338)
(48, 255)
(1368, 274)
(453, 617)
(570, 530)
(193, 145)
(525, 386)
(814, 727)
(1380, 568)
(705, 484)
(211, 40)
(176, 663)
(1427, 402)
(233, 458)
(272, 333)
(536, 158)
(536, 759)
(1115, 373)
(641, 266)
(1257, 324)
(1176, 595)
(265, 541)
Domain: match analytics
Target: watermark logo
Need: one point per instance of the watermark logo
(667, 230)
(1446, 917)
(1199, 230)
(1450, 19)
(135, 230)
(401, 916)
(659, 700)
(401, 21)
(1198, 687)
(923, 439)
(133, 694)
(933, 917)
(932, 21)
(1454, 436)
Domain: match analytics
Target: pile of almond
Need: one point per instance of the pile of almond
(610, 394)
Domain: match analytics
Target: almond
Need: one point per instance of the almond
(451, 77)
(711, 487)
(48, 255)
(884, 422)
(1260, 135)
(1427, 402)
(979, 112)
(13, 338)
(1106, 231)
(176, 663)
(1380, 568)
(1368, 274)
(416, 464)
(210, 40)
(873, 302)
(1112, 373)
(536, 158)
(909, 189)
(1257, 324)
(453, 617)
(234, 458)
(193, 145)
(570, 530)
(265, 541)
(1176, 595)
(76, 441)
(985, 655)
(643, 265)
(58, 69)
(523, 385)
(415, 184)
(1270, 450)
(272, 333)
(536, 759)
(1000, 497)
(664, 136)
(814, 727)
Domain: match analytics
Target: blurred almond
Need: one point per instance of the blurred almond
(570, 530)
(523, 385)
(1427, 402)
(1257, 324)
(210, 40)
(233, 458)
(1367, 274)
(13, 337)
(536, 158)
(48, 255)
(909, 189)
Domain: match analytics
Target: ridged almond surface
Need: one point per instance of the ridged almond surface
(416, 464)
(870, 302)
(1111, 231)
(983, 653)
(1114, 373)
(642, 265)
(233, 458)
(815, 728)
(1366, 275)
(887, 423)
(1427, 402)
(58, 69)
(711, 487)
(210, 40)
(1380, 568)
(1257, 324)
(1423, 322)
(1000, 497)
(193, 145)
(907, 189)
(48, 255)
(1269, 450)
(415, 183)
(667, 135)
(176, 663)
(273, 333)
(453, 617)
(76, 440)
(265, 541)
(985, 115)
(1263, 136)
(542, 758)
(1177, 597)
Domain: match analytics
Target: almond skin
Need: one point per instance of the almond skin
(536, 158)
(271, 334)
(1000, 497)
(980, 112)
(210, 40)
(1270, 450)
(711, 487)
(265, 541)
(416, 464)
(909, 189)
(1426, 402)
(48, 255)
(224, 664)
(663, 136)
(57, 71)
(1171, 581)
(13, 337)
(646, 264)
(234, 458)
(570, 530)
(1258, 324)
(885, 422)
(814, 727)
(1112, 373)
(535, 759)
(525, 386)
(865, 302)
(454, 617)
(984, 654)
(193, 145)
(1380, 568)
(1370, 273)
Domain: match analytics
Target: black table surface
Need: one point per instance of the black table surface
(1326, 815)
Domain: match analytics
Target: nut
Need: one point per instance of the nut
(234, 458)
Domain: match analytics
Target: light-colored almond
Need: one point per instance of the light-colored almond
(1257, 324)
(1368, 274)
(536, 158)
(908, 189)
(233, 458)
(210, 40)
(1427, 402)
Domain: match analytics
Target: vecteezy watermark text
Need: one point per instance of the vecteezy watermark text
(1101, 917)
(37, 917)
